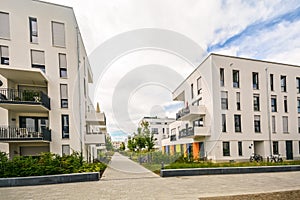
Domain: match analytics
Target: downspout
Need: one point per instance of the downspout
(79, 86)
(268, 112)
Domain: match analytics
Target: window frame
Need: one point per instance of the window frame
(65, 128)
(226, 148)
(255, 80)
(64, 102)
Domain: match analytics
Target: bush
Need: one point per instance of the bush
(46, 164)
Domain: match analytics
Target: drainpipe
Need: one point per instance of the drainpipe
(268, 112)
(79, 86)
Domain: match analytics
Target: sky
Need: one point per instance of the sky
(141, 50)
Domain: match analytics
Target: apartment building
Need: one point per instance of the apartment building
(235, 107)
(45, 74)
(159, 126)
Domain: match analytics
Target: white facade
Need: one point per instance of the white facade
(159, 127)
(45, 71)
(231, 111)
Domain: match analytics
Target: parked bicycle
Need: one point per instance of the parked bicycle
(275, 158)
(256, 157)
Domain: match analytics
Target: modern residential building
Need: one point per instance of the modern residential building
(159, 127)
(44, 103)
(235, 107)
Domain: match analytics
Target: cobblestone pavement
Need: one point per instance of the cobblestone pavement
(125, 179)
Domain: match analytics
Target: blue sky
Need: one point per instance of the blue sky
(259, 29)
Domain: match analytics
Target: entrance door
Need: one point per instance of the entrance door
(201, 149)
(289, 150)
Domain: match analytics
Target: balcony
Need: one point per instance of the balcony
(194, 131)
(13, 134)
(95, 118)
(173, 138)
(24, 100)
(190, 112)
(95, 138)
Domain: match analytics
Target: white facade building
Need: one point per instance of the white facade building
(159, 127)
(236, 107)
(45, 73)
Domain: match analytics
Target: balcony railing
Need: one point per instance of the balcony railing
(186, 132)
(173, 138)
(182, 112)
(21, 134)
(32, 97)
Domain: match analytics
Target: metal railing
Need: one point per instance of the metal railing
(173, 138)
(15, 133)
(8, 95)
(182, 112)
(186, 132)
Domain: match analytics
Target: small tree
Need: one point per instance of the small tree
(131, 144)
(122, 146)
(149, 137)
(108, 144)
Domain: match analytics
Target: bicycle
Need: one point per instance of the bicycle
(275, 158)
(256, 157)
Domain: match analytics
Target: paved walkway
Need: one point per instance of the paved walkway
(125, 179)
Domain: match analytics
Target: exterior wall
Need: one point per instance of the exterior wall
(252, 142)
(20, 57)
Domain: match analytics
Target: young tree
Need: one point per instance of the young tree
(149, 137)
(122, 146)
(131, 144)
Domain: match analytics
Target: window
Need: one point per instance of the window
(285, 104)
(298, 124)
(192, 90)
(198, 122)
(299, 147)
(235, 79)
(240, 148)
(283, 83)
(154, 130)
(38, 59)
(257, 124)
(58, 34)
(163, 130)
(4, 24)
(256, 106)
(223, 123)
(33, 30)
(272, 82)
(199, 85)
(298, 105)
(65, 150)
(285, 124)
(237, 123)
(273, 104)
(222, 77)
(238, 101)
(273, 124)
(62, 65)
(65, 126)
(64, 95)
(4, 53)
(298, 84)
(255, 80)
(226, 149)
(275, 148)
(224, 100)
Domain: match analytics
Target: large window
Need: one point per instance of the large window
(192, 90)
(240, 148)
(62, 65)
(298, 84)
(34, 124)
(273, 103)
(298, 124)
(65, 150)
(238, 101)
(154, 130)
(199, 85)
(255, 80)
(224, 100)
(4, 53)
(298, 105)
(199, 122)
(65, 126)
(273, 124)
(64, 95)
(256, 106)
(285, 104)
(223, 123)
(257, 124)
(33, 30)
(285, 124)
(237, 123)
(4, 24)
(272, 82)
(275, 148)
(226, 149)
(222, 78)
(283, 83)
(58, 34)
(236, 78)
(38, 60)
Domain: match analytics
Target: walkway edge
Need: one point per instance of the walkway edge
(49, 179)
(226, 170)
